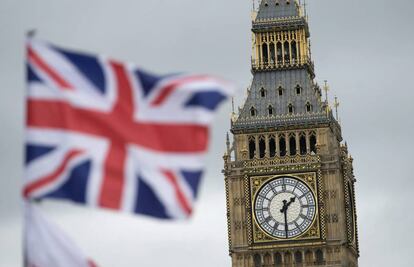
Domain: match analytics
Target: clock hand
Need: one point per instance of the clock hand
(286, 223)
(284, 206)
(284, 211)
(291, 201)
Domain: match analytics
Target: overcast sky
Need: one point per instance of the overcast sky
(363, 48)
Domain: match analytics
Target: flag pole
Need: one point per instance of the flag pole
(25, 260)
(29, 34)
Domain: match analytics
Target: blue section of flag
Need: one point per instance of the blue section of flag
(31, 75)
(35, 151)
(75, 187)
(207, 99)
(193, 179)
(147, 202)
(148, 81)
(89, 66)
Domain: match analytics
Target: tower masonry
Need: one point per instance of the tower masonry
(288, 174)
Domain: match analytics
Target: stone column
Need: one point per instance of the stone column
(277, 145)
(297, 143)
(256, 139)
(260, 58)
(267, 146)
(287, 144)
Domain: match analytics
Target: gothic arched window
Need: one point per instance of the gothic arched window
(272, 53)
(279, 53)
(278, 259)
(262, 147)
(272, 146)
(282, 146)
(286, 54)
(280, 90)
(265, 53)
(253, 112)
(308, 107)
(292, 145)
(312, 141)
(290, 109)
(298, 257)
(298, 89)
(294, 51)
(270, 110)
(263, 92)
(319, 256)
(257, 260)
(252, 147)
(302, 144)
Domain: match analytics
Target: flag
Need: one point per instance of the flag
(108, 134)
(46, 245)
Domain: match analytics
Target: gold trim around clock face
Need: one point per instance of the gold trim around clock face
(261, 236)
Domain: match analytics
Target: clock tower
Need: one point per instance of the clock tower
(288, 175)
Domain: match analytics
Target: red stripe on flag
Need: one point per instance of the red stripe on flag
(178, 193)
(170, 88)
(113, 182)
(40, 63)
(91, 263)
(28, 189)
(161, 137)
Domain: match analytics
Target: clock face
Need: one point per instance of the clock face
(285, 207)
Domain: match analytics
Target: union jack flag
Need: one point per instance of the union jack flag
(112, 135)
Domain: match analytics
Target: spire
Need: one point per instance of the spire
(336, 105)
(276, 9)
(305, 9)
(326, 89)
(227, 139)
(228, 149)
